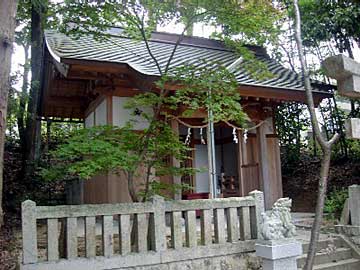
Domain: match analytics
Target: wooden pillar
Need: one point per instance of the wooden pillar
(109, 110)
(265, 183)
(240, 162)
(279, 186)
(174, 162)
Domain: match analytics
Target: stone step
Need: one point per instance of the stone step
(349, 264)
(323, 257)
(322, 244)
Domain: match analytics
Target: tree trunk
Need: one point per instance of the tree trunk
(131, 187)
(315, 230)
(324, 144)
(22, 102)
(32, 127)
(7, 27)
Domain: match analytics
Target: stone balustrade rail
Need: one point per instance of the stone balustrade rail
(227, 226)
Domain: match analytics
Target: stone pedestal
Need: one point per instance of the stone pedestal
(354, 203)
(279, 254)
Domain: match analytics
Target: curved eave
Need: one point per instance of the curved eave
(252, 90)
(57, 60)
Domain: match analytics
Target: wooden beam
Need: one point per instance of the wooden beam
(281, 94)
(99, 66)
(92, 106)
(93, 75)
(65, 102)
(270, 92)
(118, 91)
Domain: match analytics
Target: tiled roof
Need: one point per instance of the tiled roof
(119, 49)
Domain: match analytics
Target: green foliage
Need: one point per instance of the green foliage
(111, 149)
(290, 121)
(354, 149)
(207, 89)
(164, 189)
(330, 20)
(334, 203)
(95, 150)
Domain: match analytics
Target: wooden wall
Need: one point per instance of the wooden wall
(249, 167)
(109, 188)
(273, 159)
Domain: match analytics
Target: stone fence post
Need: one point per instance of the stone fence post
(158, 228)
(354, 204)
(259, 208)
(29, 234)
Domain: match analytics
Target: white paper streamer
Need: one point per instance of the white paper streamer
(187, 140)
(201, 136)
(235, 138)
(245, 136)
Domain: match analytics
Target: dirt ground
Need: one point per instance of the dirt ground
(10, 244)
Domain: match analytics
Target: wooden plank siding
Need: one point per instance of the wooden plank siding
(249, 167)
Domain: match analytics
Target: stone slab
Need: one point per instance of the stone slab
(274, 250)
(348, 230)
(281, 264)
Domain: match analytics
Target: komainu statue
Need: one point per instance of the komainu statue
(277, 224)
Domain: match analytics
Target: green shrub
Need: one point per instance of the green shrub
(334, 202)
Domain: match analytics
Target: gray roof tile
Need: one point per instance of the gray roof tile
(118, 49)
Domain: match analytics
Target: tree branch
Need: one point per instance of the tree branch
(325, 146)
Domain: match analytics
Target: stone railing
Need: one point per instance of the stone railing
(150, 234)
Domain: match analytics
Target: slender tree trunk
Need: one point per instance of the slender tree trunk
(7, 27)
(322, 188)
(32, 127)
(22, 102)
(131, 187)
(324, 144)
